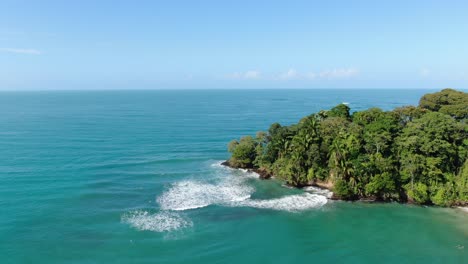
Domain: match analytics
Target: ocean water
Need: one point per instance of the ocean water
(135, 177)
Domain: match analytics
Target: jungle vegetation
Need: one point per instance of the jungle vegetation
(410, 154)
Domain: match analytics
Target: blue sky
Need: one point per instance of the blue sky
(233, 44)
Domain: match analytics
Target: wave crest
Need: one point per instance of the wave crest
(234, 190)
(316, 190)
(291, 203)
(230, 188)
(160, 222)
(193, 194)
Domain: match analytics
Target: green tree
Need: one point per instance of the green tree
(243, 152)
(419, 193)
(447, 101)
(340, 110)
(414, 153)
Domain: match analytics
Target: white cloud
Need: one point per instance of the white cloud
(293, 74)
(342, 73)
(290, 74)
(311, 76)
(338, 73)
(424, 72)
(248, 75)
(21, 51)
(252, 75)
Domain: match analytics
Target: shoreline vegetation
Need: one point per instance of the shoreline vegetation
(412, 154)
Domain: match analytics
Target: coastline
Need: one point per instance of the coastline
(328, 186)
(370, 155)
(264, 175)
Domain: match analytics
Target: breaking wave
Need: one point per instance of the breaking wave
(291, 203)
(192, 194)
(160, 222)
(320, 191)
(228, 187)
(234, 191)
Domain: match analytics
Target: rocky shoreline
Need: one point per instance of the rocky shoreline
(369, 155)
(265, 175)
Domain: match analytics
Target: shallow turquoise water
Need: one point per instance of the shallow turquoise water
(134, 177)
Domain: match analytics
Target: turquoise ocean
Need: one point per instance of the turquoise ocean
(135, 177)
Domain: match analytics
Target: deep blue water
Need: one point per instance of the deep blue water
(134, 177)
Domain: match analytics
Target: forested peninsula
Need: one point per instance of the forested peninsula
(410, 154)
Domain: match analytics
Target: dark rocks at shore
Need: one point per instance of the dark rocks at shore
(263, 174)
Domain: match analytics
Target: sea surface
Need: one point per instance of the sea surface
(135, 177)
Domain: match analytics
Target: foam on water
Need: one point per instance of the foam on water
(244, 173)
(233, 191)
(186, 195)
(229, 187)
(163, 221)
(320, 191)
(291, 203)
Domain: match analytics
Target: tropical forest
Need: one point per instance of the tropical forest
(416, 154)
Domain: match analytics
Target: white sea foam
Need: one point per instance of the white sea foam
(291, 203)
(218, 164)
(223, 189)
(226, 190)
(160, 222)
(320, 191)
(194, 194)
(242, 172)
(234, 191)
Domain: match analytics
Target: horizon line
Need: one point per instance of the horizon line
(217, 89)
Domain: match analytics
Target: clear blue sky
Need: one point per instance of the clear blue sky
(233, 44)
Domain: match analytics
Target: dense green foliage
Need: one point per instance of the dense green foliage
(447, 101)
(416, 154)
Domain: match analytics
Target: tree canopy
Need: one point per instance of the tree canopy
(417, 154)
(447, 101)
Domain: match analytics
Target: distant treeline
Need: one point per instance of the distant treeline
(415, 154)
